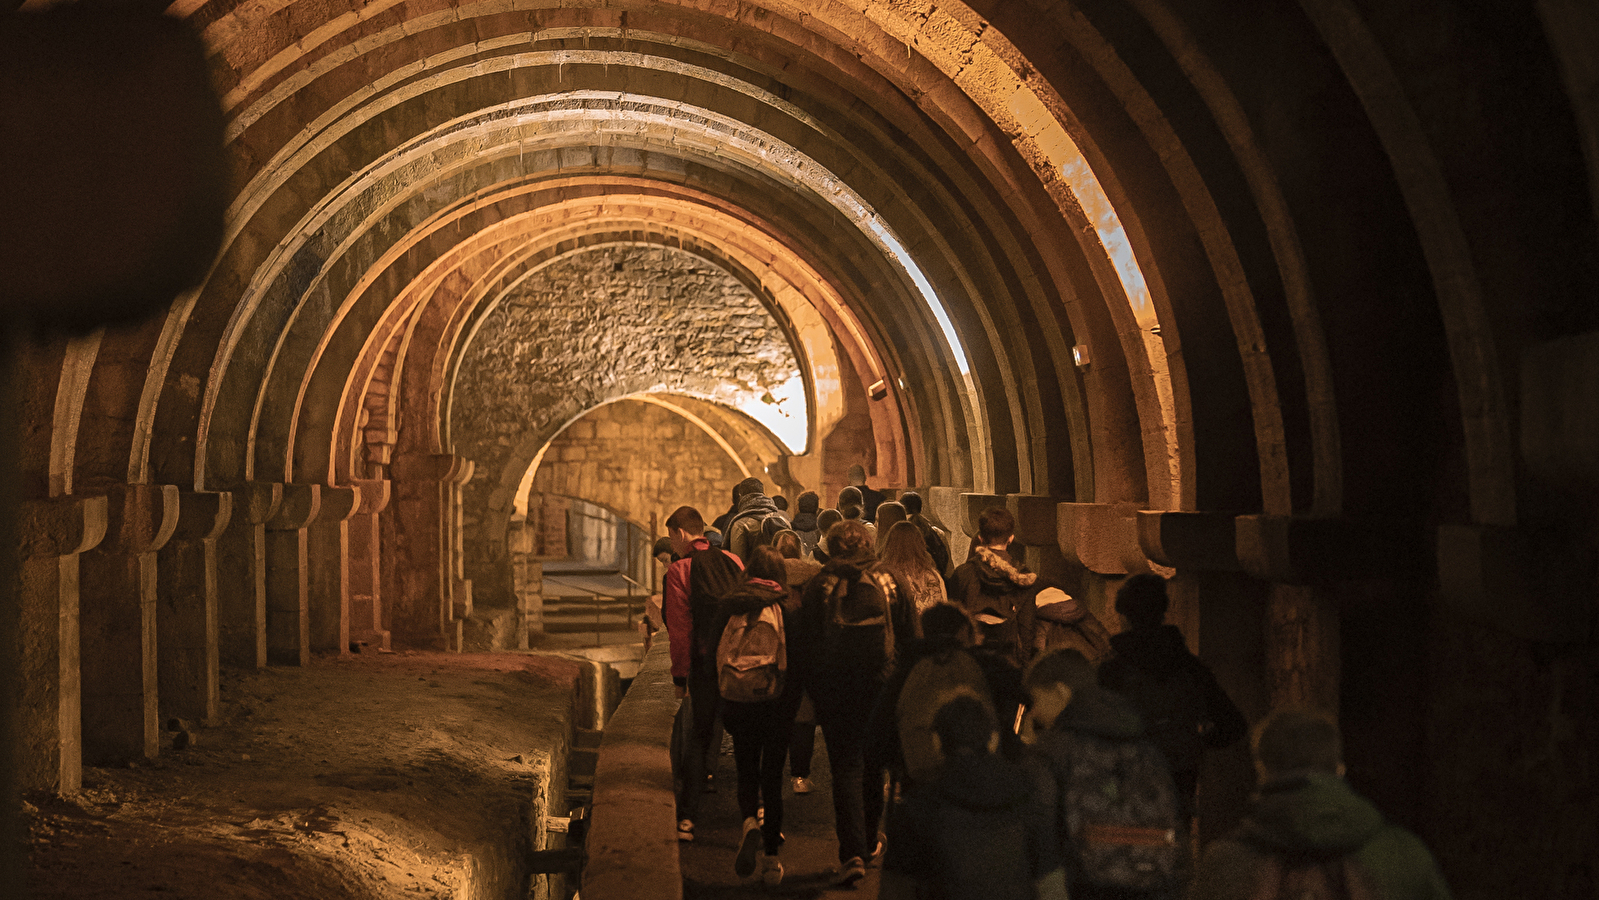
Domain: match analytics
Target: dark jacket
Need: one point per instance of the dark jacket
(975, 830)
(993, 582)
(1316, 818)
(882, 727)
(850, 661)
(1067, 624)
(1160, 653)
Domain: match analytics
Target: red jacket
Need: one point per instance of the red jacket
(674, 608)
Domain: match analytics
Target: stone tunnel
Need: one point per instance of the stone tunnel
(1296, 304)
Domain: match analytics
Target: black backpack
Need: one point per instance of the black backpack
(1174, 711)
(712, 575)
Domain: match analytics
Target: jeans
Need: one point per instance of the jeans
(761, 734)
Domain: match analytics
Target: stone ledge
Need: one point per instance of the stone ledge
(632, 843)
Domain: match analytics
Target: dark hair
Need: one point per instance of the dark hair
(750, 485)
(850, 495)
(764, 562)
(944, 619)
(891, 510)
(789, 544)
(904, 550)
(662, 545)
(1297, 739)
(688, 519)
(849, 539)
(850, 511)
(781, 502)
(995, 523)
(912, 502)
(964, 723)
(1064, 666)
(1142, 599)
(809, 502)
(827, 518)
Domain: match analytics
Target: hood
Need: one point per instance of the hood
(850, 568)
(1106, 714)
(804, 521)
(1064, 611)
(753, 596)
(1158, 651)
(756, 505)
(1313, 814)
(982, 782)
(997, 573)
(800, 571)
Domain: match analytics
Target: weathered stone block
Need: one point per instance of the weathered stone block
(1303, 550)
(1100, 537)
(1190, 540)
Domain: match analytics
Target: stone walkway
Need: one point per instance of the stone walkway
(810, 855)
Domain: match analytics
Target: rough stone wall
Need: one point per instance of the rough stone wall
(596, 326)
(638, 458)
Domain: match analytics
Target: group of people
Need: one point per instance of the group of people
(987, 735)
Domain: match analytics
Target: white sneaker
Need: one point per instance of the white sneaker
(802, 785)
(749, 846)
(851, 871)
(771, 871)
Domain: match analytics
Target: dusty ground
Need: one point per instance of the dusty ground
(371, 777)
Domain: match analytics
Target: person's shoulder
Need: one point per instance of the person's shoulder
(1400, 861)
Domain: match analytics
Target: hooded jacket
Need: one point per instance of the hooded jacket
(1067, 624)
(975, 830)
(1316, 817)
(992, 581)
(851, 660)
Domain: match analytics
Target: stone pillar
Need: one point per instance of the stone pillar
(241, 575)
(52, 534)
(366, 560)
(424, 487)
(946, 509)
(187, 650)
(121, 713)
(527, 577)
(288, 589)
(328, 556)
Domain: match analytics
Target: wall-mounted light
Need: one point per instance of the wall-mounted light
(878, 390)
(1080, 356)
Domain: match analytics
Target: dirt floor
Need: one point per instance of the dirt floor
(406, 775)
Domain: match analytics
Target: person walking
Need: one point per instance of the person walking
(800, 569)
(889, 514)
(849, 615)
(761, 729)
(937, 539)
(690, 599)
(1309, 833)
(995, 588)
(1184, 708)
(903, 557)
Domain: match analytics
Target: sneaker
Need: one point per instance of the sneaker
(685, 830)
(851, 871)
(760, 816)
(771, 871)
(749, 846)
(710, 784)
(877, 852)
(802, 785)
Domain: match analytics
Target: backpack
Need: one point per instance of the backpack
(752, 657)
(1334, 879)
(1120, 814)
(712, 575)
(1174, 709)
(933, 682)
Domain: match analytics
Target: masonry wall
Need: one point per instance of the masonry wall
(637, 458)
(592, 327)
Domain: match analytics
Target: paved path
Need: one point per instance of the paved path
(810, 855)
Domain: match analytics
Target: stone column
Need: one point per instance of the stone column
(288, 588)
(121, 713)
(527, 578)
(52, 534)
(424, 485)
(328, 556)
(366, 566)
(187, 650)
(241, 575)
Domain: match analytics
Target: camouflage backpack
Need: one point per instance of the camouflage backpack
(1119, 812)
